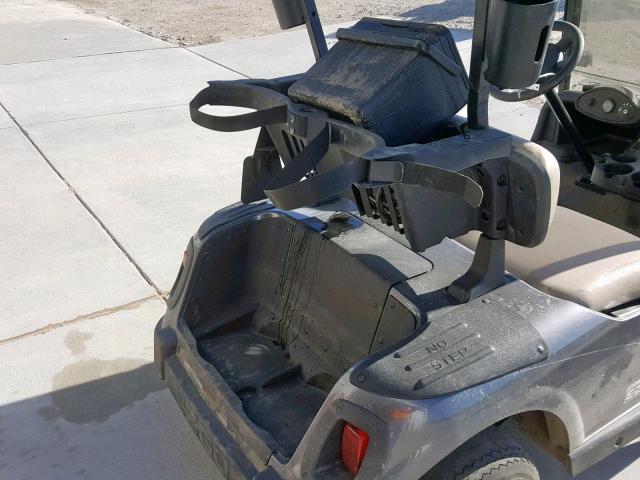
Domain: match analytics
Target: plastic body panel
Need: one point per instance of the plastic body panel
(457, 348)
(592, 361)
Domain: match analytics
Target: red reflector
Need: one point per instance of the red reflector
(354, 447)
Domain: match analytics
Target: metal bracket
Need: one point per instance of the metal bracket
(488, 268)
(292, 13)
(487, 271)
(314, 28)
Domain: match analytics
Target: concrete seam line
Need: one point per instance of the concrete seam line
(98, 115)
(169, 47)
(217, 63)
(79, 318)
(85, 205)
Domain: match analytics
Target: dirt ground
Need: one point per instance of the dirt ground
(196, 22)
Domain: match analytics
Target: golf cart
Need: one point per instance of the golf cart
(406, 293)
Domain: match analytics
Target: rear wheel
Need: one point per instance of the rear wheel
(490, 455)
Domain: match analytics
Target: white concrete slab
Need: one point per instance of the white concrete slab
(5, 121)
(84, 402)
(80, 87)
(269, 56)
(622, 465)
(57, 263)
(41, 30)
(151, 176)
(516, 118)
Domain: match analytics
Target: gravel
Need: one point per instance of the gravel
(197, 22)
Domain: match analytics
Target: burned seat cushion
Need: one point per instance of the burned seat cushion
(582, 260)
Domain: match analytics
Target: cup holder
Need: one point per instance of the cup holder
(517, 41)
(613, 169)
(619, 174)
(624, 158)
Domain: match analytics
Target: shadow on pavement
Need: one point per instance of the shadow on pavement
(124, 425)
(614, 464)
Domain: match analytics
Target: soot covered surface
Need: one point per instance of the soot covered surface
(272, 391)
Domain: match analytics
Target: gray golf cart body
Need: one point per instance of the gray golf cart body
(285, 324)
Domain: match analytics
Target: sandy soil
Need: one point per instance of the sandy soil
(196, 22)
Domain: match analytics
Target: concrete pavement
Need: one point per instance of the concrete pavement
(57, 32)
(57, 262)
(5, 121)
(103, 179)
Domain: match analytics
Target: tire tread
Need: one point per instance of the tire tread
(504, 456)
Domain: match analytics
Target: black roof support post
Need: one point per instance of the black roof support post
(292, 13)
(478, 109)
(314, 28)
(487, 270)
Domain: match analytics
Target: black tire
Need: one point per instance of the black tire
(490, 455)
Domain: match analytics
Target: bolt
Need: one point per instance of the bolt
(486, 300)
(541, 349)
(502, 180)
(361, 378)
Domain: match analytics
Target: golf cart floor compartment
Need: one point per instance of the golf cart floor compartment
(259, 372)
(273, 307)
(282, 308)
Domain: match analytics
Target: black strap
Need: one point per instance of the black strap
(217, 94)
(440, 179)
(285, 189)
(312, 191)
